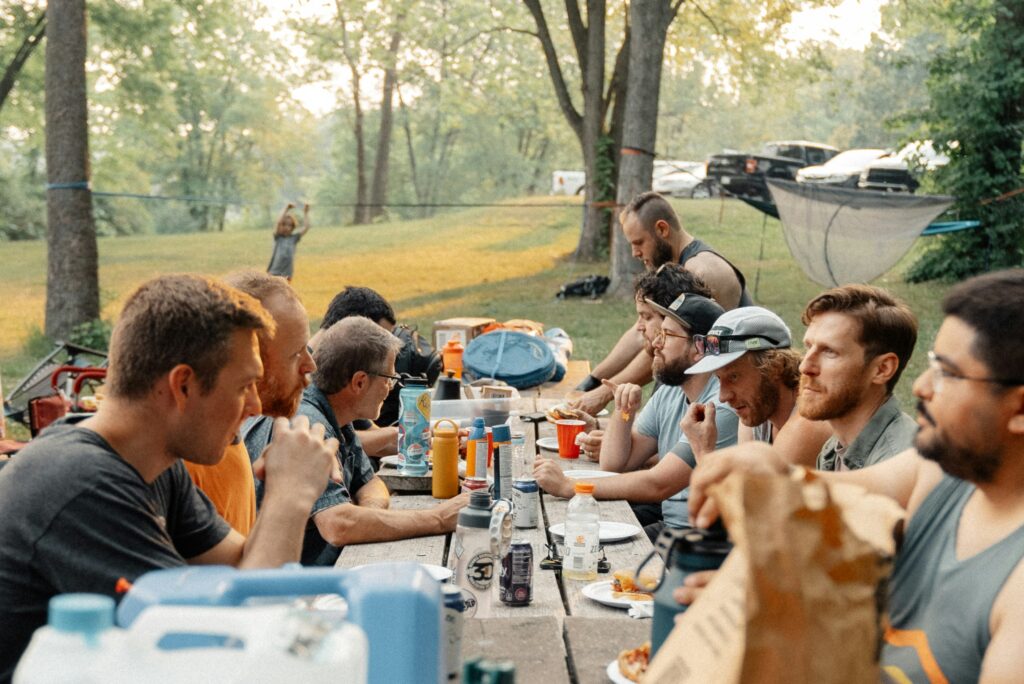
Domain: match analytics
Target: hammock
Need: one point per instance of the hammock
(841, 235)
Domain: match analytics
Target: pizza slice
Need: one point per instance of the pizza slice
(633, 662)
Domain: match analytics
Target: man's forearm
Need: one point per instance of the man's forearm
(637, 372)
(616, 445)
(276, 538)
(640, 487)
(351, 524)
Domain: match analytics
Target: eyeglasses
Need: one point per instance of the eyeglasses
(711, 345)
(659, 338)
(393, 380)
(940, 374)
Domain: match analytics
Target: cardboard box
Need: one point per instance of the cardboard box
(465, 329)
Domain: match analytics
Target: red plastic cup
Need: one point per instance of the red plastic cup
(567, 431)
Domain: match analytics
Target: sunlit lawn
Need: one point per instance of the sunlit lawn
(503, 262)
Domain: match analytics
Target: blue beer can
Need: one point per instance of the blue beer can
(515, 583)
(525, 503)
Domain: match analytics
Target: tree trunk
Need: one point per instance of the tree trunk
(649, 22)
(361, 214)
(379, 190)
(25, 50)
(595, 223)
(72, 278)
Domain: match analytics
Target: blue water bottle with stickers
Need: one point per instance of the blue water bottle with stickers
(413, 427)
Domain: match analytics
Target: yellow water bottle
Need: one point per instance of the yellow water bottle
(445, 481)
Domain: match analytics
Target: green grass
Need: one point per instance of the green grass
(500, 262)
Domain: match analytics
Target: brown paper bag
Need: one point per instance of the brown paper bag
(797, 600)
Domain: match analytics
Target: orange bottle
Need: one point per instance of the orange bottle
(445, 481)
(451, 356)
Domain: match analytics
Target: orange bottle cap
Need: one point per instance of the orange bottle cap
(584, 487)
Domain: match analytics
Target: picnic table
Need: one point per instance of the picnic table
(561, 636)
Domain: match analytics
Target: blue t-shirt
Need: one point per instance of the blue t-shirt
(355, 466)
(660, 419)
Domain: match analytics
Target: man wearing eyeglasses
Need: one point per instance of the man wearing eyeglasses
(355, 361)
(958, 578)
(750, 352)
(632, 437)
(657, 237)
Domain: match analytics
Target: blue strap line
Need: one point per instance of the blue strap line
(949, 227)
(77, 185)
(501, 351)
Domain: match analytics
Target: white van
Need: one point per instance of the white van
(568, 182)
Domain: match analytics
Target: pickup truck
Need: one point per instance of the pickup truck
(743, 175)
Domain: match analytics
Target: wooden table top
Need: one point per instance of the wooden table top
(562, 636)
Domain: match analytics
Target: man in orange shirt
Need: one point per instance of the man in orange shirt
(286, 367)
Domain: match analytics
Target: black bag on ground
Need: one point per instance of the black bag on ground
(592, 286)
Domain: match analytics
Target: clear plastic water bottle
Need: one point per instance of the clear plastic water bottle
(582, 535)
(521, 465)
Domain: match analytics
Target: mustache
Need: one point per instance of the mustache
(923, 412)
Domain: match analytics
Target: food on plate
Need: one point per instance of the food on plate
(633, 661)
(566, 412)
(625, 586)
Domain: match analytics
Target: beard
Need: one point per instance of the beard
(829, 405)
(977, 465)
(671, 373)
(662, 252)
(278, 401)
(768, 394)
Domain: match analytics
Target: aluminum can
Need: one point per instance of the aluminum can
(515, 583)
(454, 607)
(525, 503)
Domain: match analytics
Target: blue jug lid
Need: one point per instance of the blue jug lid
(502, 433)
(87, 614)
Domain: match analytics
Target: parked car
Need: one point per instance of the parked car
(843, 169)
(682, 179)
(898, 172)
(744, 175)
(568, 182)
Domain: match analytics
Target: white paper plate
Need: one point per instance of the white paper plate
(601, 592)
(548, 443)
(587, 474)
(438, 572)
(610, 531)
(614, 674)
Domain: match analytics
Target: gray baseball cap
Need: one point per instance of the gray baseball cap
(694, 312)
(749, 328)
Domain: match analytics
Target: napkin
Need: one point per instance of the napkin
(639, 610)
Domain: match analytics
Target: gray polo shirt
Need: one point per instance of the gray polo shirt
(889, 432)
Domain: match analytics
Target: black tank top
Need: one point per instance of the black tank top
(698, 246)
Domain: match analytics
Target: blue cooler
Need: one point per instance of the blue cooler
(516, 358)
(398, 605)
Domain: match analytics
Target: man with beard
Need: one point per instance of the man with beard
(660, 286)
(958, 579)
(632, 439)
(858, 341)
(90, 505)
(286, 367)
(657, 237)
(355, 361)
(749, 351)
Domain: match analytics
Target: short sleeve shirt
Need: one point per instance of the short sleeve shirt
(889, 432)
(660, 419)
(356, 472)
(77, 518)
